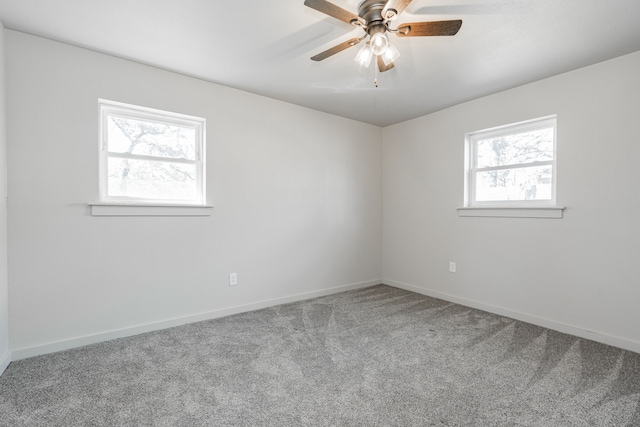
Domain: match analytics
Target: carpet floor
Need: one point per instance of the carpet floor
(378, 356)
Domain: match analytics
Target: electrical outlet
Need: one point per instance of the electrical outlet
(452, 267)
(233, 279)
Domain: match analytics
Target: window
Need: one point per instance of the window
(512, 166)
(150, 156)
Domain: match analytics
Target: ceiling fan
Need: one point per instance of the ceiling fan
(374, 17)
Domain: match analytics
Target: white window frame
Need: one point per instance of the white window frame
(109, 108)
(471, 169)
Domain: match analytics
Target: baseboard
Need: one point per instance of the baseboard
(53, 347)
(5, 359)
(539, 321)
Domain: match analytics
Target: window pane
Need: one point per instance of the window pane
(151, 180)
(525, 147)
(528, 183)
(148, 138)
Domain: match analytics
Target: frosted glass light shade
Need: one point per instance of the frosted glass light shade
(364, 55)
(379, 43)
(390, 54)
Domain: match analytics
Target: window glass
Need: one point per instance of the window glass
(526, 147)
(529, 183)
(145, 137)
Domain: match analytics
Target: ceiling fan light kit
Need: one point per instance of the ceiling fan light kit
(374, 17)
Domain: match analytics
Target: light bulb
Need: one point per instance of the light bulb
(364, 55)
(390, 54)
(379, 43)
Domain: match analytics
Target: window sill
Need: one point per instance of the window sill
(111, 209)
(513, 212)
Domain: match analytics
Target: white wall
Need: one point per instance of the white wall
(297, 197)
(580, 274)
(4, 304)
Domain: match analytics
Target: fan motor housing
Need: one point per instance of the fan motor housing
(371, 11)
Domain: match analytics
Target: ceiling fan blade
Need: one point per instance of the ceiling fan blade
(393, 8)
(337, 48)
(382, 67)
(334, 11)
(435, 28)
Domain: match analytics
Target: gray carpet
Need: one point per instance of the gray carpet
(379, 356)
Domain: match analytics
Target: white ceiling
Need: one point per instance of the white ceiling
(264, 46)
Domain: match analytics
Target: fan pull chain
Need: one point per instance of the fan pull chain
(375, 75)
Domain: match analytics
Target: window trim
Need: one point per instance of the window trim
(114, 209)
(556, 212)
(108, 108)
(471, 140)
